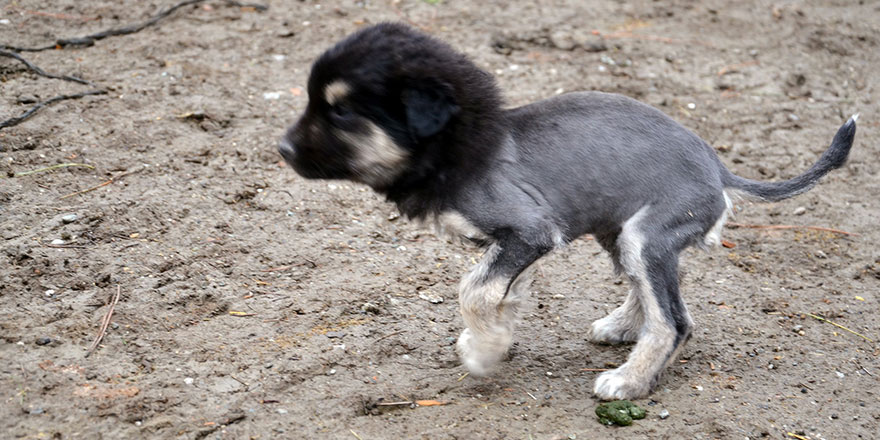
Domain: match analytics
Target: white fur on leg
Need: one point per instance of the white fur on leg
(480, 354)
(621, 325)
(489, 309)
(637, 375)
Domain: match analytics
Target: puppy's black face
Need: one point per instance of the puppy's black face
(368, 114)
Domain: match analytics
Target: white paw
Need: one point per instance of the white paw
(609, 331)
(478, 355)
(619, 384)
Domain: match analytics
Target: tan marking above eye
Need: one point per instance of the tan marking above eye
(336, 91)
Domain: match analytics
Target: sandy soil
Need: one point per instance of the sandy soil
(255, 304)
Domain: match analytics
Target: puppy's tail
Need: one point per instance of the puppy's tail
(834, 157)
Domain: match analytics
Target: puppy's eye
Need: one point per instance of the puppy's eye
(341, 112)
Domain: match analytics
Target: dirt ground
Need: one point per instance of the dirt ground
(255, 304)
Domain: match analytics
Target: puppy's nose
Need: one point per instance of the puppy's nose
(287, 149)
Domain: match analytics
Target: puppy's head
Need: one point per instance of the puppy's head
(380, 103)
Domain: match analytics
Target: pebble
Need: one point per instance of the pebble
(5, 21)
(840, 375)
(430, 297)
(691, 105)
(36, 411)
(69, 218)
(43, 341)
(188, 380)
(271, 95)
(57, 241)
(331, 372)
(663, 414)
(371, 308)
(562, 40)
(281, 411)
(800, 210)
(50, 293)
(797, 328)
(335, 335)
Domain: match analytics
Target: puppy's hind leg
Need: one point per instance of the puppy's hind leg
(653, 270)
(623, 324)
(489, 297)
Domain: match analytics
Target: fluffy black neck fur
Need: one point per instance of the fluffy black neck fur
(443, 162)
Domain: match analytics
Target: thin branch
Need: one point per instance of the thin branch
(26, 115)
(105, 322)
(53, 167)
(42, 72)
(814, 228)
(89, 40)
(111, 180)
(839, 326)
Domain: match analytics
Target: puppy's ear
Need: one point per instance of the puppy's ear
(429, 106)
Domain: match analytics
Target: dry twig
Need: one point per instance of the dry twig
(105, 322)
(814, 228)
(90, 40)
(53, 167)
(112, 179)
(26, 115)
(839, 326)
(42, 72)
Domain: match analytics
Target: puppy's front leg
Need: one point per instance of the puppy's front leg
(489, 297)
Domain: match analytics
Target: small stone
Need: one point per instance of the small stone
(562, 40)
(369, 307)
(559, 296)
(50, 293)
(271, 95)
(800, 210)
(691, 105)
(281, 411)
(430, 297)
(44, 341)
(549, 374)
(188, 380)
(36, 411)
(57, 241)
(663, 414)
(839, 374)
(797, 328)
(69, 218)
(5, 21)
(335, 335)
(821, 255)
(331, 372)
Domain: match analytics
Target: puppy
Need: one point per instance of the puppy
(415, 120)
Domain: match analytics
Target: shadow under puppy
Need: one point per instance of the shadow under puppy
(406, 114)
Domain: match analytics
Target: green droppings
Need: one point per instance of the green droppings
(620, 412)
